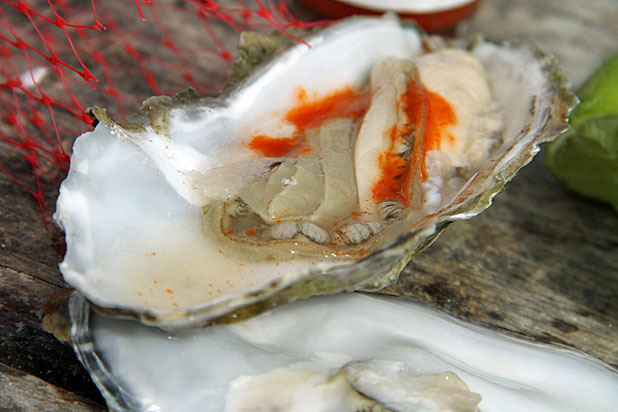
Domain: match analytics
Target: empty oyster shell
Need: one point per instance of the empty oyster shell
(174, 217)
(347, 352)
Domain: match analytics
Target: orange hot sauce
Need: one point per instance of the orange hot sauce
(432, 114)
(395, 175)
(424, 109)
(344, 103)
(273, 147)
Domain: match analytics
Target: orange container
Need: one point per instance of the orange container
(435, 16)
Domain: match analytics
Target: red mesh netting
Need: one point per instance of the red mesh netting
(59, 57)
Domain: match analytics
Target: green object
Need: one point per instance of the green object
(585, 158)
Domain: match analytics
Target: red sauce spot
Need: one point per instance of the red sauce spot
(394, 182)
(175, 304)
(250, 232)
(432, 114)
(301, 94)
(229, 232)
(344, 103)
(170, 291)
(440, 115)
(273, 146)
(220, 251)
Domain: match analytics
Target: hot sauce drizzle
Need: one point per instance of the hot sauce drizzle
(440, 115)
(273, 146)
(427, 112)
(396, 173)
(344, 103)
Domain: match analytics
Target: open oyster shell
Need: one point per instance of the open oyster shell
(159, 211)
(347, 352)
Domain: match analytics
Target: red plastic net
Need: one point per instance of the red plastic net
(59, 57)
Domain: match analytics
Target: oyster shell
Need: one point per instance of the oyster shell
(174, 219)
(346, 352)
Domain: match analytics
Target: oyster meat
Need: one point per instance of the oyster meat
(347, 352)
(321, 170)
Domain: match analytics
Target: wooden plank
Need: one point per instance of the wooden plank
(20, 391)
(24, 343)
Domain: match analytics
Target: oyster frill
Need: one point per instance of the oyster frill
(319, 170)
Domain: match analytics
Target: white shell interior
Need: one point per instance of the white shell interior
(145, 367)
(131, 206)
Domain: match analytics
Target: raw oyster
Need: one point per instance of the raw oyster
(347, 352)
(318, 171)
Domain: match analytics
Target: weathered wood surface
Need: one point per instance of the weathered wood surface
(24, 392)
(540, 261)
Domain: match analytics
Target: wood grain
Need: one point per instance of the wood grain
(540, 262)
(27, 393)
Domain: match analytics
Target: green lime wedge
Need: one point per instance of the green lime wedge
(585, 158)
